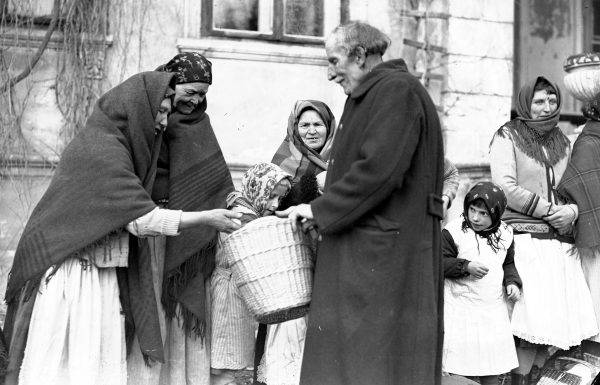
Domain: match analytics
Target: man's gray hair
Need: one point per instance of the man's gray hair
(356, 34)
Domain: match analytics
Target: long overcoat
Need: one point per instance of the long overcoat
(376, 312)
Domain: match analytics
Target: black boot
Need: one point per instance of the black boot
(519, 379)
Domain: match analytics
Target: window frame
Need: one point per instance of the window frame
(589, 39)
(277, 36)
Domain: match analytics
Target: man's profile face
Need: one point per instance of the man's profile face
(343, 69)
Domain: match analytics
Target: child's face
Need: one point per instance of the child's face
(479, 217)
(280, 191)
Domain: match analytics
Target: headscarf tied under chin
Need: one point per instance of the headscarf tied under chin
(295, 157)
(495, 202)
(532, 136)
(257, 185)
(189, 67)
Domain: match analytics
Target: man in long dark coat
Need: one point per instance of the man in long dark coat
(376, 312)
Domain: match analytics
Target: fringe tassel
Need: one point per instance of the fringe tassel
(532, 142)
(176, 282)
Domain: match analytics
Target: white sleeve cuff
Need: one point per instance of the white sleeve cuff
(170, 221)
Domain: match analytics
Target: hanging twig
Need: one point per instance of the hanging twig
(27, 70)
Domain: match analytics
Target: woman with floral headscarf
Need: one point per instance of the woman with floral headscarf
(528, 156)
(233, 327)
(478, 251)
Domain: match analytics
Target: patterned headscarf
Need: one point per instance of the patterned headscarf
(295, 157)
(189, 67)
(495, 202)
(257, 185)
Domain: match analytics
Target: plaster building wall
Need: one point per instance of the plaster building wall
(461, 49)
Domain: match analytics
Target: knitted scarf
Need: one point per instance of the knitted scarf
(103, 181)
(540, 139)
(580, 183)
(295, 157)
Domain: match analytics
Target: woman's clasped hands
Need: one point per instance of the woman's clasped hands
(561, 217)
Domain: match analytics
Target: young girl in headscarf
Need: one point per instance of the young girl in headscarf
(263, 187)
(478, 251)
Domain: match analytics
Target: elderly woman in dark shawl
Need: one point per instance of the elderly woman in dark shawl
(528, 157)
(581, 184)
(182, 268)
(81, 284)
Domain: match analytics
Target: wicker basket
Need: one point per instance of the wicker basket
(272, 265)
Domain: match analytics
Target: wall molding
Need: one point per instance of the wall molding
(240, 49)
(32, 38)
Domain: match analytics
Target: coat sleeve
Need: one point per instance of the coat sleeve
(450, 180)
(388, 143)
(503, 167)
(511, 275)
(453, 267)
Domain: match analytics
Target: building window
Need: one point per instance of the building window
(298, 21)
(37, 14)
(591, 19)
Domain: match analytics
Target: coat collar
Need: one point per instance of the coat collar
(377, 73)
(592, 127)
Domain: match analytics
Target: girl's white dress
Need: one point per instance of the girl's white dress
(284, 348)
(478, 339)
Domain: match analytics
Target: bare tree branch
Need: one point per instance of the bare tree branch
(27, 70)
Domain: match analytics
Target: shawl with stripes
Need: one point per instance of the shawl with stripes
(580, 183)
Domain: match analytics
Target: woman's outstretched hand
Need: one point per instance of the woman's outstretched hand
(221, 219)
(296, 213)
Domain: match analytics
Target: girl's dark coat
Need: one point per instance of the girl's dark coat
(376, 312)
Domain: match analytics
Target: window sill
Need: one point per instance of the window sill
(30, 38)
(254, 50)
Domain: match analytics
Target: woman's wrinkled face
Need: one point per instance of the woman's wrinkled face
(278, 193)
(479, 217)
(189, 95)
(164, 109)
(312, 129)
(543, 104)
(343, 69)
